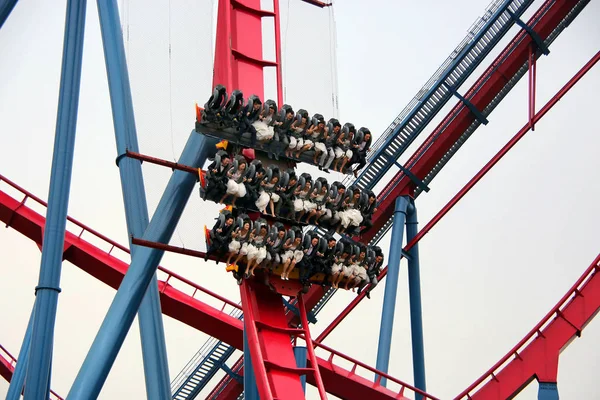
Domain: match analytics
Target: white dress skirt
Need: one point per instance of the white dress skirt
(236, 246)
(263, 200)
(256, 253)
(351, 216)
(320, 147)
(263, 131)
(236, 189)
(296, 143)
(296, 255)
(339, 153)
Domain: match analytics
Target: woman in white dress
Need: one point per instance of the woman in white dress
(297, 131)
(267, 195)
(239, 243)
(235, 183)
(351, 214)
(257, 251)
(264, 123)
(302, 201)
(293, 254)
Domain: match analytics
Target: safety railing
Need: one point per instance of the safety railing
(13, 362)
(403, 386)
(556, 312)
(168, 276)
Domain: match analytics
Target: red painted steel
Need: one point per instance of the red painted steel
(310, 349)
(7, 368)
(175, 303)
(271, 349)
(536, 355)
(543, 111)
(458, 120)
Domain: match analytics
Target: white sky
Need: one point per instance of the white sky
(490, 270)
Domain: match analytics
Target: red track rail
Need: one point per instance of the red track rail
(7, 367)
(175, 303)
(536, 355)
(460, 118)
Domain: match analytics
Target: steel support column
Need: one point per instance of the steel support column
(391, 287)
(414, 293)
(18, 379)
(6, 7)
(250, 387)
(532, 85)
(44, 313)
(301, 354)
(548, 391)
(119, 318)
(154, 350)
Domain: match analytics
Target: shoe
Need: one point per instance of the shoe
(276, 156)
(326, 170)
(368, 294)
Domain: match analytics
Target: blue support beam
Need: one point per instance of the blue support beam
(250, 387)
(533, 34)
(110, 337)
(548, 391)
(6, 7)
(44, 313)
(414, 293)
(478, 115)
(391, 287)
(301, 354)
(154, 349)
(420, 184)
(18, 379)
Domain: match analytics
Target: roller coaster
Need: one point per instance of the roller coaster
(272, 319)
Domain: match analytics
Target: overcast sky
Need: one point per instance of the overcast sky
(490, 270)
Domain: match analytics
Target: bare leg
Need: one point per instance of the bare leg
(234, 199)
(272, 206)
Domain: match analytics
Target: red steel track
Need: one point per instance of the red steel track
(7, 368)
(184, 307)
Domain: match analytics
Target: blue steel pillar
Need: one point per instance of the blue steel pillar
(391, 287)
(6, 6)
(18, 378)
(154, 350)
(250, 387)
(414, 293)
(301, 354)
(548, 391)
(44, 313)
(118, 320)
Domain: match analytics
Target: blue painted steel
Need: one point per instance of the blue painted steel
(18, 378)
(152, 334)
(414, 293)
(119, 318)
(6, 6)
(250, 387)
(391, 287)
(44, 313)
(548, 391)
(481, 39)
(536, 38)
(480, 117)
(301, 354)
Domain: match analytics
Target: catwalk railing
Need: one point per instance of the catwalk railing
(7, 367)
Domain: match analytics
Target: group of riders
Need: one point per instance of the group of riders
(266, 247)
(285, 132)
(282, 193)
(288, 197)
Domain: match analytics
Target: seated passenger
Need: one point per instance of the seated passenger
(314, 134)
(360, 150)
(253, 181)
(374, 264)
(326, 147)
(368, 210)
(220, 236)
(267, 192)
(281, 137)
(333, 205)
(318, 197)
(275, 243)
(342, 254)
(286, 195)
(302, 202)
(248, 116)
(342, 147)
(235, 182)
(293, 254)
(216, 175)
(266, 121)
(239, 239)
(359, 270)
(314, 247)
(325, 263)
(257, 250)
(351, 215)
(297, 131)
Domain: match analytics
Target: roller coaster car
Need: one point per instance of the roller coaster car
(213, 108)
